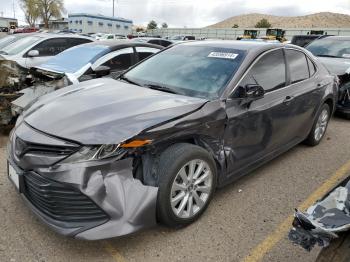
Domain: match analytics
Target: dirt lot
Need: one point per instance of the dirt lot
(239, 218)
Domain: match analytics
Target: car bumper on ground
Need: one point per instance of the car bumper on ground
(89, 201)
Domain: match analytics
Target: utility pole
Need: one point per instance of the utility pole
(13, 6)
(113, 8)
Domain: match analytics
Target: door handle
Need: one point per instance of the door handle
(288, 99)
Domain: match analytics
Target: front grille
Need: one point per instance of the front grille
(60, 202)
(22, 147)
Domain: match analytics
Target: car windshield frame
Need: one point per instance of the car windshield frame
(75, 58)
(21, 44)
(201, 71)
(331, 48)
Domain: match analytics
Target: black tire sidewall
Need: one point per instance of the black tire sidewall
(171, 161)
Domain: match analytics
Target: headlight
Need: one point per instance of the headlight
(91, 153)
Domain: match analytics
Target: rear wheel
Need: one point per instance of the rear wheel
(187, 182)
(319, 127)
(337, 251)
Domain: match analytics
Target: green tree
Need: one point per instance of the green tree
(235, 26)
(164, 25)
(152, 25)
(50, 9)
(30, 10)
(263, 23)
(139, 29)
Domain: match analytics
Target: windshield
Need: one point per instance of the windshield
(200, 71)
(20, 45)
(7, 40)
(177, 37)
(330, 47)
(73, 59)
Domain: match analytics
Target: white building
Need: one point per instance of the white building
(88, 23)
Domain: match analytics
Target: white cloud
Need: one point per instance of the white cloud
(195, 13)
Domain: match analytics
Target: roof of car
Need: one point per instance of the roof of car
(121, 43)
(53, 35)
(337, 38)
(235, 44)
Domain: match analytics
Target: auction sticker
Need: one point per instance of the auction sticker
(223, 55)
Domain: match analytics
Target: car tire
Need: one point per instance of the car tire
(180, 202)
(337, 251)
(319, 127)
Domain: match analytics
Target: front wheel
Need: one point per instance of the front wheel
(187, 182)
(319, 127)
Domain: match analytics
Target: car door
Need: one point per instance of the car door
(144, 52)
(47, 49)
(258, 129)
(118, 61)
(306, 92)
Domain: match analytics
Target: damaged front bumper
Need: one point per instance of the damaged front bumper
(323, 221)
(88, 200)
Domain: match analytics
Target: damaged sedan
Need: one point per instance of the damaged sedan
(334, 53)
(82, 63)
(327, 224)
(25, 52)
(105, 157)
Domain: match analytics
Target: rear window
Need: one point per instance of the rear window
(298, 66)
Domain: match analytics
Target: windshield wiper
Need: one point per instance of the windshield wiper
(333, 56)
(122, 77)
(162, 88)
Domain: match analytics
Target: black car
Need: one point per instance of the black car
(334, 53)
(154, 41)
(108, 157)
(304, 40)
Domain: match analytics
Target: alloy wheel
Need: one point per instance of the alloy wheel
(321, 124)
(191, 188)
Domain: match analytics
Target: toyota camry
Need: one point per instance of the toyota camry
(107, 157)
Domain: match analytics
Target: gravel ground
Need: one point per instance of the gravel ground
(240, 216)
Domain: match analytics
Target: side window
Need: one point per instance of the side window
(120, 62)
(269, 72)
(155, 42)
(312, 68)
(298, 66)
(78, 41)
(52, 47)
(165, 43)
(144, 52)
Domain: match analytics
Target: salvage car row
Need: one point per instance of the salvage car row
(151, 142)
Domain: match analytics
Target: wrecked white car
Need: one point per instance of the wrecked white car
(20, 55)
(327, 224)
(82, 63)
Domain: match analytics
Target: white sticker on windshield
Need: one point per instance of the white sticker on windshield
(223, 55)
(346, 55)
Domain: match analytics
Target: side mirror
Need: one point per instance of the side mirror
(101, 71)
(33, 53)
(252, 92)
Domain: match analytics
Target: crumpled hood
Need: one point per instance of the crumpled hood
(105, 111)
(337, 66)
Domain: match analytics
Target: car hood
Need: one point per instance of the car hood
(106, 111)
(337, 66)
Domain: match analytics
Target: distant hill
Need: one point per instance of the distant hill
(324, 20)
